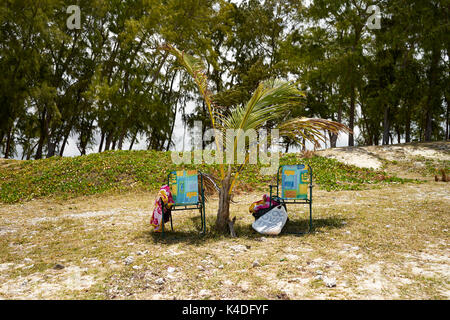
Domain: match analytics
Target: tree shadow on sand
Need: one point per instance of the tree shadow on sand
(296, 226)
(190, 236)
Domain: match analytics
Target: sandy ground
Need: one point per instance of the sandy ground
(373, 156)
(389, 243)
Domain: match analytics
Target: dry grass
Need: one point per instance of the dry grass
(389, 243)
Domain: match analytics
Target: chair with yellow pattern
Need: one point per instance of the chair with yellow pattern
(188, 194)
(295, 182)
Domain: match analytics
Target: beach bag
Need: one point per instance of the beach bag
(261, 207)
(271, 223)
(165, 198)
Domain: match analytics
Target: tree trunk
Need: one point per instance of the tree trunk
(51, 148)
(1, 137)
(333, 141)
(447, 136)
(386, 126)
(353, 69)
(334, 137)
(102, 139)
(133, 140)
(121, 139)
(408, 126)
(351, 137)
(8, 143)
(223, 213)
(63, 146)
(43, 135)
(108, 141)
(434, 97)
(30, 152)
(82, 144)
(40, 147)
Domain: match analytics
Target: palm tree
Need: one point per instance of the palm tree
(272, 100)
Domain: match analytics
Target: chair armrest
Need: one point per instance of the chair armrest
(271, 187)
(166, 206)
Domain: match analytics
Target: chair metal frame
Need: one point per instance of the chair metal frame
(200, 205)
(285, 201)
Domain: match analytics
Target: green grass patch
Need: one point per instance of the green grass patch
(147, 170)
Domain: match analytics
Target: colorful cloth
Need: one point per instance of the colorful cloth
(165, 195)
(262, 204)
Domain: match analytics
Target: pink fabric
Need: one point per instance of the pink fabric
(166, 195)
(262, 204)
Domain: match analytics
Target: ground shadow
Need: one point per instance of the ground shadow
(191, 236)
(302, 225)
(296, 226)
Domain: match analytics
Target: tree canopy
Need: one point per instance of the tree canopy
(109, 79)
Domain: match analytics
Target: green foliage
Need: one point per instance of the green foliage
(116, 171)
(109, 77)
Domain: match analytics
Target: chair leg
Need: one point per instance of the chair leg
(201, 217)
(171, 223)
(204, 219)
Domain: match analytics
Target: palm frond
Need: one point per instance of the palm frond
(311, 129)
(196, 68)
(210, 185)
(270, 101)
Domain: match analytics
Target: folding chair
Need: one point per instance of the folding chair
(295, 182)
(184, 186)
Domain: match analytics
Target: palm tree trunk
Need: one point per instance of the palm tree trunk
(223, 221)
